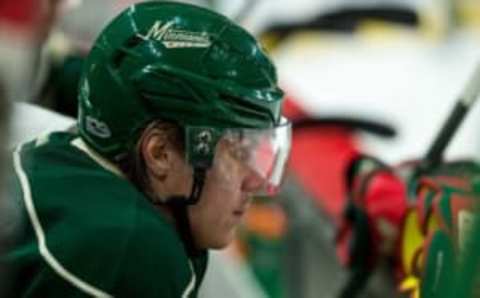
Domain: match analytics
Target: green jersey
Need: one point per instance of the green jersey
(87, 231)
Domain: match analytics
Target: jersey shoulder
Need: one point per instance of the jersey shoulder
(95, 223)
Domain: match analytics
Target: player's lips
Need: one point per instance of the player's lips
(243, 207)
(239, 213)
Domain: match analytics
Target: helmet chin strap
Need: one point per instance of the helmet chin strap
(179, 206)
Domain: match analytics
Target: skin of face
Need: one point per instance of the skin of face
(226, 194)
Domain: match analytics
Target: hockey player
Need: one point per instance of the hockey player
(179, 124)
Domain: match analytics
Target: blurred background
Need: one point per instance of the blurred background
(361, 76)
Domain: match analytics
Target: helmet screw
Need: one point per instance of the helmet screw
(203, 148)
(204, 136)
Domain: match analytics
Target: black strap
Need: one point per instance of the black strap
(179, 206)
(180, 212)
(197, 186)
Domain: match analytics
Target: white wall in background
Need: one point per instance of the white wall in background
(410, 82)
(29, 121)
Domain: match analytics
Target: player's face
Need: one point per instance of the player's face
(226, 193)
(224, 200)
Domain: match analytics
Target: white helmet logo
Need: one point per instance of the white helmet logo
(97, 128)
(176, 38)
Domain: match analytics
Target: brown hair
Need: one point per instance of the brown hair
(133, 164)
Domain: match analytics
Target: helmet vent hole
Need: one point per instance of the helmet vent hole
(123, 51)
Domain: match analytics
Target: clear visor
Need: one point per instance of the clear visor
(264, 152)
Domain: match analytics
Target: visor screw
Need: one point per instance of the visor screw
(204, 136)
(203, 148)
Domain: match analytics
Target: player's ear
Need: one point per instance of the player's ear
(157, 153)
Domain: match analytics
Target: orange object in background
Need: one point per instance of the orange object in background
(268, 220)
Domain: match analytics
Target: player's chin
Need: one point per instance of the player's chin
(221, 241)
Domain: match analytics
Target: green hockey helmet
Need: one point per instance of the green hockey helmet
(185, 64)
